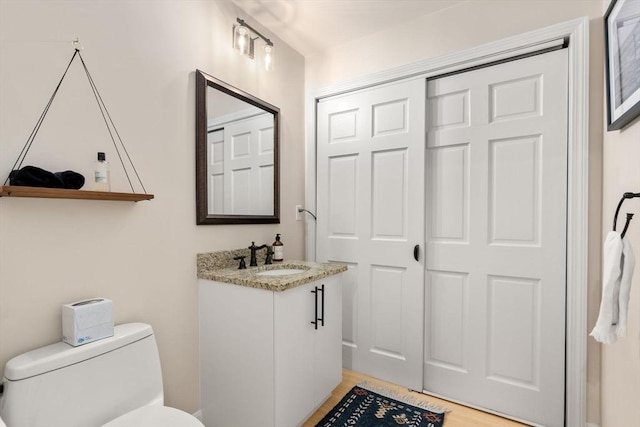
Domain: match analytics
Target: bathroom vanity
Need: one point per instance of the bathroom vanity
(270, 341)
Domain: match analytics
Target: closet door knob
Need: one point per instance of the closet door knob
(416, 252)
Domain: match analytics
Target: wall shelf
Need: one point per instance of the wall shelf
(60, 193)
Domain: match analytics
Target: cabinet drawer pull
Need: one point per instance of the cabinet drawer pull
(321, 319)
(315, 316)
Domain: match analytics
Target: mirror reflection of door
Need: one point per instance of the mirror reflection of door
(240, 164)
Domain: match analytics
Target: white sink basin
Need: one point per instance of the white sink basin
(281, 272)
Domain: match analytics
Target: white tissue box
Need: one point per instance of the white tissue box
(87, 321)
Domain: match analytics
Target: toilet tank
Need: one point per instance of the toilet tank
(64, 386)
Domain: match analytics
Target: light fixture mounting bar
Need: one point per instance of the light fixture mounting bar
(244, 24)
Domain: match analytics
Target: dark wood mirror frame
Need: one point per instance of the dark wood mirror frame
(204, 81)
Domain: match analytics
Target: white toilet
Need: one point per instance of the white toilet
(114, 382)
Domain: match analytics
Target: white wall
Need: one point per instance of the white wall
(474, 23)
(142, 55)
(621, 360)
(620, 375)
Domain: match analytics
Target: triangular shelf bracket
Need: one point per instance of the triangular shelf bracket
(19, 191)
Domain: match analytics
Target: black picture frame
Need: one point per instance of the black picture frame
(622, 55)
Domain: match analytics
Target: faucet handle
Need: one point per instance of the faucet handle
(243, 265)
(269, 257)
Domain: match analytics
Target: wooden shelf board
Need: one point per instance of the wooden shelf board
(60, 193)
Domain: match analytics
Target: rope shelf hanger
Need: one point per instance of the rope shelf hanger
(113, 134)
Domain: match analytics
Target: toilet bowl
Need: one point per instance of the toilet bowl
(155, 416)
(114, 382)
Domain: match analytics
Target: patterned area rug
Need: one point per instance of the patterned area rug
(364, 407)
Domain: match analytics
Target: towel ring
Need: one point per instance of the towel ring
(629, 215)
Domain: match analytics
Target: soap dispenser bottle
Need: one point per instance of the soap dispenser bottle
(278, 250)
(102, 174)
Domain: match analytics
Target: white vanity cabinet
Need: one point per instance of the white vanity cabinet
(263, 362)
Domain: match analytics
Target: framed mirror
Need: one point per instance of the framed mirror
(237, 155)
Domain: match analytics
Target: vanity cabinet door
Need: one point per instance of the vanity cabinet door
(237, 374)
(294, 354)
(308, 356)
(328, 340)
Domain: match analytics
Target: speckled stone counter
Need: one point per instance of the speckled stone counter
(220, 267)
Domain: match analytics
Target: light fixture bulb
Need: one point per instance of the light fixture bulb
(268, 57)
(244, 37)
(241, 39)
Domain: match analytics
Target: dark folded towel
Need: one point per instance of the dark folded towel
(33, 176)
(71, 180)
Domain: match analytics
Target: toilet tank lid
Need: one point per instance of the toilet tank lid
(60, 355)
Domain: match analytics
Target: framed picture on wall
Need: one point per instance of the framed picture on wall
(622, 47)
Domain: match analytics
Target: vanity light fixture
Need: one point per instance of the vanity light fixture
(244, 42)
(268, 56)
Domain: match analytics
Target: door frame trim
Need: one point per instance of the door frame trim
(577, 33)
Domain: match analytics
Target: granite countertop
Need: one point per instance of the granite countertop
(216, 266)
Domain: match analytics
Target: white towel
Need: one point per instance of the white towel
(617, 271)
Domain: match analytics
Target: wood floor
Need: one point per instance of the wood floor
(460, 416)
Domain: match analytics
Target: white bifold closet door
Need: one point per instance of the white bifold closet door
(496, 238)
(370, 189)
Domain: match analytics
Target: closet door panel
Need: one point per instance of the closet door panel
(389, 195)
(496, 238)
(370, 175)
(448, 171)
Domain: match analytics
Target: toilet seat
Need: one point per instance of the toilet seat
(155, 416)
